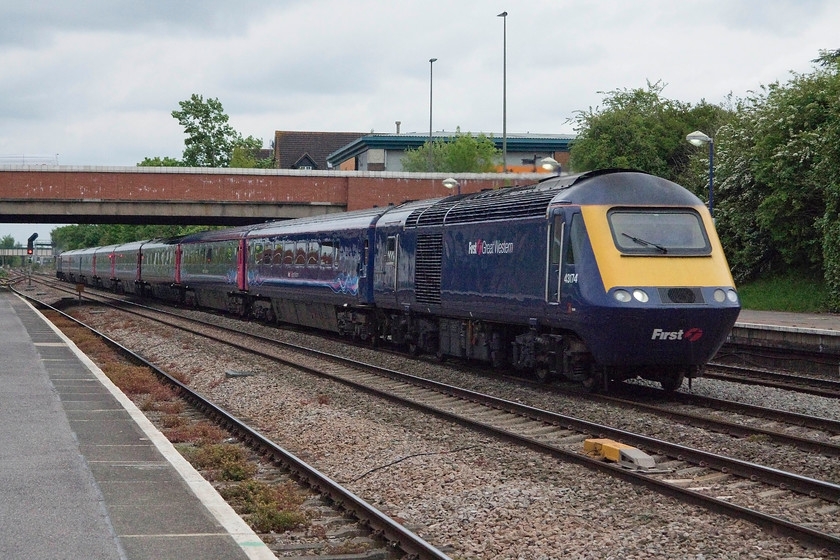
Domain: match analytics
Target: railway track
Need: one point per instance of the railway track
(695, 410)
(786, 503)
(754, 376)
(396, 540)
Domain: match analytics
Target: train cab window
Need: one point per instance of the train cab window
(391, 250)
(327, 254)
(651, 231)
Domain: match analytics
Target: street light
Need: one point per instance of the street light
(698, 138)
(451, 183)
(550, 164)
(503, 15)
(431, 65)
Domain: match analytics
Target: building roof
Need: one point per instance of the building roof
(295, 148)
(523, 142)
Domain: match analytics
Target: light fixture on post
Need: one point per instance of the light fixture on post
(431, 65)
(503, 15)
(451, 183)
(550, 164)
(698, 138)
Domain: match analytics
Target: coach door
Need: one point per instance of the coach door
(390, 266)
(241, 259)
(554, 258)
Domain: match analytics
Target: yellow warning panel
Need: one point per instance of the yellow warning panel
(625, 455)
(606, 448)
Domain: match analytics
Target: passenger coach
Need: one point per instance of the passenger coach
(596, 277)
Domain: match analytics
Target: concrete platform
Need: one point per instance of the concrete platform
(814, 332)
(83, 474)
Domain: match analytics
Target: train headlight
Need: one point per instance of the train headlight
(732, 296)
(720, 296)
(622, 295)
(640, 295)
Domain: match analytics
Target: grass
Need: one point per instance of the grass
(266, 507)
(793, 291)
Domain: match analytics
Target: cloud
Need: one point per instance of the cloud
(96, 81)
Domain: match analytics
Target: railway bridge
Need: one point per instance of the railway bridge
(209, 196)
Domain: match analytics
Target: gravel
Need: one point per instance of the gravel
(482, 497)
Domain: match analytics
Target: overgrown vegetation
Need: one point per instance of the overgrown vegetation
(777, 174)
(266, 508)
(462, 153)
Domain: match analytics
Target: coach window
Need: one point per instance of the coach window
(208, 256)
(288, 252)
(327, 254)
(314, 254)
(277, 259)
(300, 253)
(258, 253)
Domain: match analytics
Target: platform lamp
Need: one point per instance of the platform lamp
(698, 138)
(451, 183)
(550, 164)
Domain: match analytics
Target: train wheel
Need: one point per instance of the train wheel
(671, 380)
(542, 374)
(595, 380)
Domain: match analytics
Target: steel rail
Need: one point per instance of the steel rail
(804, 384)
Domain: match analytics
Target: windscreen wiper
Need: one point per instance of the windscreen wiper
(645, 243)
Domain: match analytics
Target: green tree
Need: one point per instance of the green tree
(462, 153)
(7, 242)
(80, 236)
(780, 179)
(160, 162)
(246, 153)
(640, 129)
(210, 138)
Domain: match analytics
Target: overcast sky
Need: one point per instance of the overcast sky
(95, 82)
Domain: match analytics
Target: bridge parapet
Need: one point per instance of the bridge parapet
(212, 196)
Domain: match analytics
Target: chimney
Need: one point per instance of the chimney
(398, 126)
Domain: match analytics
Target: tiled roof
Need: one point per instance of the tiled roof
(291, 146)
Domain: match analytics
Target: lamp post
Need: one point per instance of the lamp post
(431, 65)
(503, 15)
(698, 138)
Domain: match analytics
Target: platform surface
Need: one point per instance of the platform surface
(83, 475)
(829, 322)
